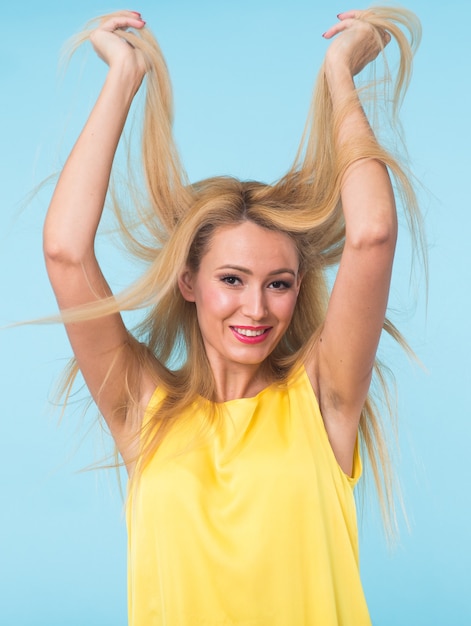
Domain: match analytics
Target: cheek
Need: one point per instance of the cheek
(284, 307)
(213, 301)
(291, 306)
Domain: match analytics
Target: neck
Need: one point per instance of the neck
(241, 382)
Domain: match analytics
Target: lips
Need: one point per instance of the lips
(250, 334)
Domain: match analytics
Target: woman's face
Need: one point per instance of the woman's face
(245, 292)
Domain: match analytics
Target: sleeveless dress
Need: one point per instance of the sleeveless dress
(253, 524)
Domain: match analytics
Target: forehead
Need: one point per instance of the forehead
(252, 244)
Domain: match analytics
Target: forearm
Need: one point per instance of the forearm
(366, 190)
(79, 197)
(346, 105)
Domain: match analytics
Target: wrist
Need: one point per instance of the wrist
(339, 78)
(126, 76)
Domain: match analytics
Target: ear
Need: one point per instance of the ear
(185, 284)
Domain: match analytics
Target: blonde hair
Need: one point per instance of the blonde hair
(177, 220)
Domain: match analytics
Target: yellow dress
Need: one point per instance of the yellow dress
(252, 525)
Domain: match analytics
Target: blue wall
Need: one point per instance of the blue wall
(242, 77)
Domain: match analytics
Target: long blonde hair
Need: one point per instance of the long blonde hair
(177, 220)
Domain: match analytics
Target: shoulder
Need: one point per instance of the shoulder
(299, 386)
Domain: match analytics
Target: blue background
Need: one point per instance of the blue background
(242, 75)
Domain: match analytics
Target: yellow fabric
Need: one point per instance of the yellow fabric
(254, 525)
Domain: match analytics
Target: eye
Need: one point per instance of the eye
(280, 284)
(231, 280)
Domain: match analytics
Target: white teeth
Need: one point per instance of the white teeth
(249, 333)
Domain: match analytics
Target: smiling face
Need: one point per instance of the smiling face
(245, 292)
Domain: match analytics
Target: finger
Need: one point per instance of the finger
(338, 28)
(384, 35)
(349, 15)
(129, 14)
(355, 15)
(122, 22)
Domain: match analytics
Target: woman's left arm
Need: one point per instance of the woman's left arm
(342, 368)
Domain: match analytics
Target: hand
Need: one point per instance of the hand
(359, 42)
(112, 48)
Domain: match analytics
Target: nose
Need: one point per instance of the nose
(254, 305)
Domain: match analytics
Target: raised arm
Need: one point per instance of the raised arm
(101, 346)
(342, 366)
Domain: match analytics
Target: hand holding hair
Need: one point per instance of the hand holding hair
(113, 48)
(359, 42)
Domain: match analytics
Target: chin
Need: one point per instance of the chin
(251, 358)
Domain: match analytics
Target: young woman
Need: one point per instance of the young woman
(237, 406)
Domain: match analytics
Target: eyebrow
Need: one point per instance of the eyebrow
(244, 270)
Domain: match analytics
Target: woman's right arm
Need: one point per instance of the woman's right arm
(101, 346)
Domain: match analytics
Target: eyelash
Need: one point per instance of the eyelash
(225, 279)
(283, 284)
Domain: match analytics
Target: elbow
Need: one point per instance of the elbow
(58, 251)
(381, 235)
(54, 250)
